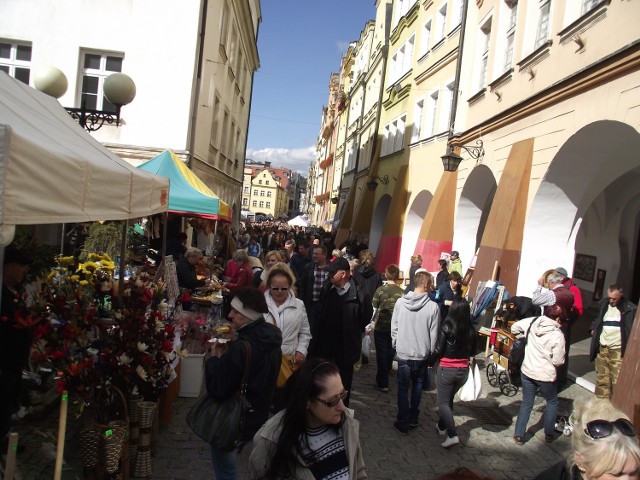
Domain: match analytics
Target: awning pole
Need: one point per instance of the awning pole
(123, 259)
(62, 241)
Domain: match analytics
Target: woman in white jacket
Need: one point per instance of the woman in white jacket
(288, 314)
(543, 354)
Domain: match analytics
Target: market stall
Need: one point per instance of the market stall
(52, 171)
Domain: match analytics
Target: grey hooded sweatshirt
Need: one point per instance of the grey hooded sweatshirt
(414, 326)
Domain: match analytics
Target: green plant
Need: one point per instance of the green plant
(43, 255)
(103, 238)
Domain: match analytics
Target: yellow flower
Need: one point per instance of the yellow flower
(66, 261)
(74, 278)
(107, 265)
(51, 275)
(88, 267)
(83, 282)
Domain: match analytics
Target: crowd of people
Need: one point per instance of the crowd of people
(303, 307)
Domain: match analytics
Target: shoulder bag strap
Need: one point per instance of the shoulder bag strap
(526, 338)
(247, 366)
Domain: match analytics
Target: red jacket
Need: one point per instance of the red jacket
(242, 278)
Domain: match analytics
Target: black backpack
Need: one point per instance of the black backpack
(516, 355)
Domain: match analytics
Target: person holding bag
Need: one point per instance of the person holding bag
(544, 353)
(456, 344)
(224, 370)
(286, 312)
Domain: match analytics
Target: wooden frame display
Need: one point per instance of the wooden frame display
(584, 267)
(598, 290)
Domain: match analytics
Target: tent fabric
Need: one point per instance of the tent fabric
(299, 221)
(189, 195)
(53, 171)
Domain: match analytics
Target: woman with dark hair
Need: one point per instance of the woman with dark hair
(315, 436)
(225, 368)
(544, 353)
(456, 344)
(443, 273)
(448, 291)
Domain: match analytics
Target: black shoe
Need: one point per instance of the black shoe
(401, 430)
(381, 389)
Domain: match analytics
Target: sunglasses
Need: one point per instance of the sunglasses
(602, 428)
(279, 289)
(335, 400)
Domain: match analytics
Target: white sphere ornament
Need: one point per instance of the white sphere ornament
(119, 89)
(50, 80)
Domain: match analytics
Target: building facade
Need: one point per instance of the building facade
(193, 85)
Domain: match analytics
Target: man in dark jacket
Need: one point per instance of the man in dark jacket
(610, 332)
(225, 368)
(310, 283)
(448, 292)
(345, 310)
(300, 259)
(15, 337)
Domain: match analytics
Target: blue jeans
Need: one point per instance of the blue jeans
(449, 381)
(410, 375)
(384, 357)
(549, 391)
(224, 463)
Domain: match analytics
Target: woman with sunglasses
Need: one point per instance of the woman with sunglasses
(315, 436)
(544, 353)
(288, 314)
(605, 445)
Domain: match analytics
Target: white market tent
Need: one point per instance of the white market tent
(299, 221)
(52, 171)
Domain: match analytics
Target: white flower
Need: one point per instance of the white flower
(163, 307)
(124, 359)
(141, 373)
(159, 325)
(183, 353)
(142, 347)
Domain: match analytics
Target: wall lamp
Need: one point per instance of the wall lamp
(118, 88)
(372, 185)
(451, 160)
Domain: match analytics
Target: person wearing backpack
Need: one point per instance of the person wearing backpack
(544, 352)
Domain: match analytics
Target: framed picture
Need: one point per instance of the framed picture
(584, 267)
(598, 290)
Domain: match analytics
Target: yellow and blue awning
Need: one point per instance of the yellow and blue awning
(188, 194)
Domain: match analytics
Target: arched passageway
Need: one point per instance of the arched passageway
(412, 224)
(587, 204)
(377, 222)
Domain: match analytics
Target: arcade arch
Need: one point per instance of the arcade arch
(378, 221)
(588, 203)
(412, 225)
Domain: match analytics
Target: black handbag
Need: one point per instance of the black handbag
(516, 354)
(220, 422)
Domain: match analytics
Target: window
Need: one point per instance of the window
(485, 37)
(402, 8)
(587, 5)
(245, 201)
(402, 59)
(447, 102)
(441, 22)
(417, 120)
(512, 6)
(255, 192)
(267, 182)
(268, 204)
(260, 182)
(456, 13)
(261, 204)
(225, 128)
(542, 34)
(215, 124)
(385, 140)
(432, 110)
(224, 26)
(268, 193)
(255, 203)
(246, 189)
(398, 143)
(15, 60)
(426, 38)
(96, 67)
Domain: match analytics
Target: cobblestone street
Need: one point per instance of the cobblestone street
(485, 429)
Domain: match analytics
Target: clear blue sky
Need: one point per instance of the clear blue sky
(300, 44)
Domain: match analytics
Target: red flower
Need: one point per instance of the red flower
(167, 346)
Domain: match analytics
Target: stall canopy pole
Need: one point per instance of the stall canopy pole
(123, 256)
(62, 241)
(165, 219)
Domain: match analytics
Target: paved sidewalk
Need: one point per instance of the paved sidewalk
(485, 429)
